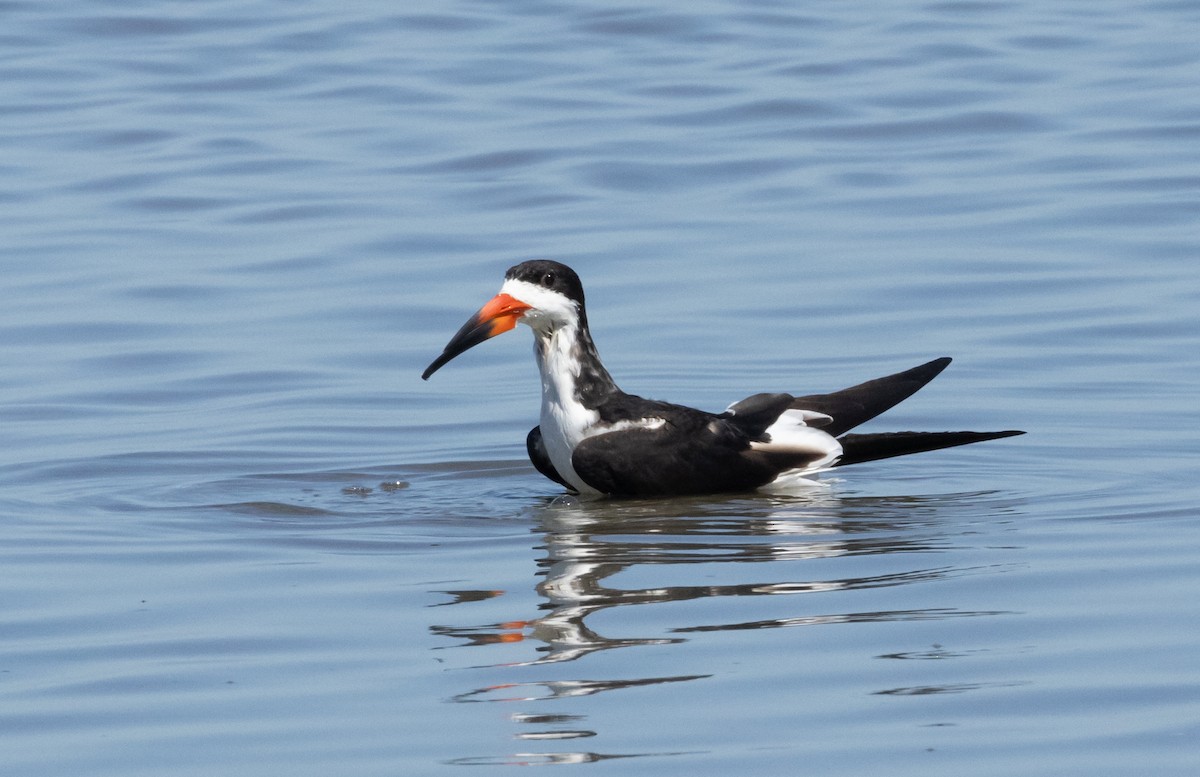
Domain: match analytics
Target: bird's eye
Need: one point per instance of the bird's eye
(548, 279)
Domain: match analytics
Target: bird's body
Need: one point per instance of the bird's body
(594, 438)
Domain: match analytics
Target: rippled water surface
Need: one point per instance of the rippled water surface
(238, 534)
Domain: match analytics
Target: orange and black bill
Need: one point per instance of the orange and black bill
(496, 317)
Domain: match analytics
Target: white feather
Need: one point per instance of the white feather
(790, 434)
(551, 310)
(564, 420)
(809, 417)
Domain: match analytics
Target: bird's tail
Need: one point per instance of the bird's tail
(857, 448)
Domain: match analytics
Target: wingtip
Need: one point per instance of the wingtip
(938, 364)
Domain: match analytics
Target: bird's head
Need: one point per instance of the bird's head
(544, 294)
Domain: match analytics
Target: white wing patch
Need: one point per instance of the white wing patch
(640, 423)
(791, 434)
(808, 417)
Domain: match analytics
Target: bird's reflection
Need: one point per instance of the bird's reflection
(589, 548)
(586, 544)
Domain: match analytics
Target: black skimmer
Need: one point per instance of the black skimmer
(596, 439)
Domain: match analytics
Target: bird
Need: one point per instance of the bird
(594, 439)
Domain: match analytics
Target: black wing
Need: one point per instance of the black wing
(858, 404)
(693, 454)
(755, 413)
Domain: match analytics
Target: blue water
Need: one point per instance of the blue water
(238, 534)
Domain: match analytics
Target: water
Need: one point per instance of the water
(238, 533)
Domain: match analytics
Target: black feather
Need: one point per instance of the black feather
(755, 413)
(694, 453)
(857, 448)
(858, 404)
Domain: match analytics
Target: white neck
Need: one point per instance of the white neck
(564, 420)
